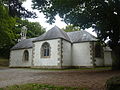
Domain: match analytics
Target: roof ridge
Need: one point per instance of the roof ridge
(82, 31)
(53, 33)
(63, 32)
(80, 36)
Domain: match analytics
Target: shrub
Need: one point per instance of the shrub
(113, 83)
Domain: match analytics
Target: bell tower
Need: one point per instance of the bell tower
(23, 33)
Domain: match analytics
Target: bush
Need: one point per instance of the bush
(113, 83)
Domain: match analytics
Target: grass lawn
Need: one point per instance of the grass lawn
(4, 62)
(96, 68)
(40, 87)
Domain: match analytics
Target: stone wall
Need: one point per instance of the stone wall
(17, 59)
(81, 55)
(54, 53)
(66, 49)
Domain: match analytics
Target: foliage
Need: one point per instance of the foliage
(10, 30)
(34, 29)
(10, 36)
(39, 87)
(9, 10)
(17, 10)
(6, 29)
(71, 28)
(102, 15)
(4, 62)
(113, 83)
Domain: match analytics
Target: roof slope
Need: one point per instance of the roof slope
(24, 44)
(80, 36)
(53, 33)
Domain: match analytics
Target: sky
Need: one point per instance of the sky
(42, 20)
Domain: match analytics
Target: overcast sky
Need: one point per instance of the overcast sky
(42, 20)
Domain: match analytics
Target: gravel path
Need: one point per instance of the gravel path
(93, 79)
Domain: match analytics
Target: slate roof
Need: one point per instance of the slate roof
(24, 44)
(53, 33)
(81, 36)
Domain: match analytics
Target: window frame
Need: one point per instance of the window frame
(98, 51)
(26, 55)
(45, 50)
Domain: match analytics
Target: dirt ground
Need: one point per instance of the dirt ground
(92, 79)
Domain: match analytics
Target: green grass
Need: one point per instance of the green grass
(4, 62)
(3, 59)
(40, 87)
(96, 68)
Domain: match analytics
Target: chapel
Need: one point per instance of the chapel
(59, 49)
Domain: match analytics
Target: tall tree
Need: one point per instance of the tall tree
(17, 10)
(71, 28)
(9, 36)
(102, 15)
(34, 29)
(10, 10)
(6, 29)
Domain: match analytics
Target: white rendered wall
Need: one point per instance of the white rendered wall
(66, 48)
(54, 53)
(81, 54)
(16, 58)
(99, 61)
(107, 58)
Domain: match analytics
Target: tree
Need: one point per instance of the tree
(34, 29)
(71, 28)
(17, 10)
(9, 36)
(6, 32)
(102, 15)
(10, 10)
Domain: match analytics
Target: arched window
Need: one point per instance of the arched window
(45, 50)
(98, 50)
(26, 55)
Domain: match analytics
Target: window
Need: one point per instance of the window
(26, 55)
(45, 52)
(98, 50)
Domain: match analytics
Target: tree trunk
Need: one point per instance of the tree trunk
(116, 58)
